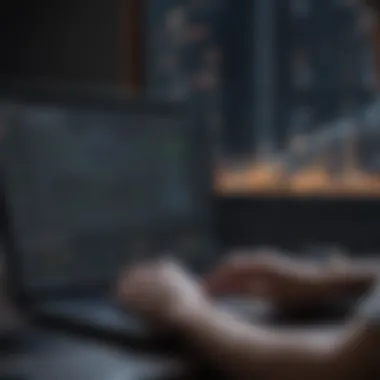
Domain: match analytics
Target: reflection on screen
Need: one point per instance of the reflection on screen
(91, 191)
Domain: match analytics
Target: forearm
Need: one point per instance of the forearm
(244, 351)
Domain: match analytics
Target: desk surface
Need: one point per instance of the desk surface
(56, 355)
(61, 357)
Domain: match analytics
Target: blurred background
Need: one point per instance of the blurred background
(286, 88)
(285, 85)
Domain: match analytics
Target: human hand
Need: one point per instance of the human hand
(161, 292)
(268, 275)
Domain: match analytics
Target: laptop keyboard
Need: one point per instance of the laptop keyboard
(100, 313)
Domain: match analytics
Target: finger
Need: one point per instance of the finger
(258, 287)
(231, 284)
(223, 290)
(239, 272)
(227, 280)
(240, 268)
(233, 267)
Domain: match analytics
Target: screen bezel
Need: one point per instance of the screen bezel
(111, 100)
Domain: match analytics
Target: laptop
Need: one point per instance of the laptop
(95, 181)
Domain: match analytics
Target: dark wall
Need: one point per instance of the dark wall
(75, 40)
(300, 223)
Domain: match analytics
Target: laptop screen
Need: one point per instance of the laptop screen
(91, 189)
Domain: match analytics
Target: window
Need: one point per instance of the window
(286, 86)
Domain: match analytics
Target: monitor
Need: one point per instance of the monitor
(95, 182)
